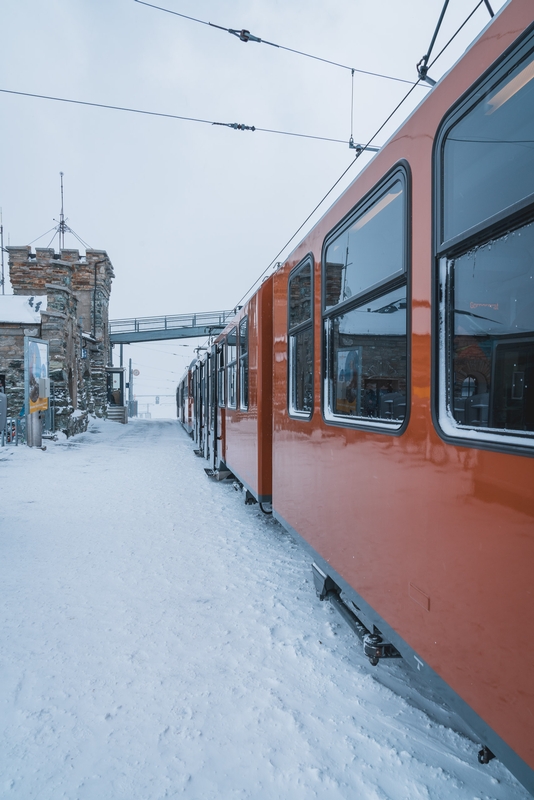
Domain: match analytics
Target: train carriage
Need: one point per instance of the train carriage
(244, 396)
(390, 410)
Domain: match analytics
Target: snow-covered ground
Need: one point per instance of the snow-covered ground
(161, 639)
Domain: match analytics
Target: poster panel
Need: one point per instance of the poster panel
(36, 374)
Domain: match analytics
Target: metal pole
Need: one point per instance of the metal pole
(120, 357)
(130, 389)
(2, 248)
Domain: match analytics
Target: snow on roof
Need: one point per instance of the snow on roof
(20, 308)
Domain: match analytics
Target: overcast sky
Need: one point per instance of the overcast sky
(190, 214)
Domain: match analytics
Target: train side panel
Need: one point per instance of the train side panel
(247, 443)
(436, 538)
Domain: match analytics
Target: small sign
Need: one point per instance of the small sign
(136, 372)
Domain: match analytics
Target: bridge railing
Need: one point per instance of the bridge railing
(204, 319)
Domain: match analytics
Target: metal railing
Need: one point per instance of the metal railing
(207, 319)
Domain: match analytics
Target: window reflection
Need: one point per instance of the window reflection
(369, 251)
(231, 357)
(243, 363)
(220, 375)
(300, 338)
(300, 298)
(489, 154)
(302, 366)
(493, 346)
(368, 359)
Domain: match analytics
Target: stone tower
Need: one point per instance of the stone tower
(75, 324)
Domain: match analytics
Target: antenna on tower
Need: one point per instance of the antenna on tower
(62, 226)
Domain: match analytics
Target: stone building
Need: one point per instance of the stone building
(74, 320)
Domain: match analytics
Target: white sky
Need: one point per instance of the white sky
(191, 214)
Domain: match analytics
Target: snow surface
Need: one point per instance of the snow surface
(20, 308)
(161, 639)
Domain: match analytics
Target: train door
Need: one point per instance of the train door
(220, 410)
(202, 422)
(197, 383)
(207, 396)
(212, 454)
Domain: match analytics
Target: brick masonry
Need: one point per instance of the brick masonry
(75, 324)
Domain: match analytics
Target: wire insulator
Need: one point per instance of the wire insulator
(244, 35)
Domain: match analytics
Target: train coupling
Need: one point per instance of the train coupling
(375, 649)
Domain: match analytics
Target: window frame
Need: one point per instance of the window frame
(513, 217)
(294, 413)
(231, 365)
(243, 364)
(221, 374)
(399, 171)
(492, 226)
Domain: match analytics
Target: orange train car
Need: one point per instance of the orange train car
(244, 396)
(390, 377)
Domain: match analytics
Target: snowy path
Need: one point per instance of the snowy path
(160, 639)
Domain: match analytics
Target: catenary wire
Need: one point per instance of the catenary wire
(373, 137)
(233, 125)
(457, 32)
(246, 36)
(358, 154)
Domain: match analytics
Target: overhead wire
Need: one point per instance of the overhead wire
(245, 36)
(464, 23)
(329, 192)
(234, 125)
(358, 153)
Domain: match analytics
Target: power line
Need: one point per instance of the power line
(359, 151)
(466, 20)
(246, 36)
(233, 125)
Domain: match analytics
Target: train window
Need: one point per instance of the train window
(243, 363)
(488, 347)
(221, 393)
(486, 272)
(365, 321)
(231, 360)
(370, 249)
(488, 154)
(300, 339)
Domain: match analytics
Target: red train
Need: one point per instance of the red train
(378, 391)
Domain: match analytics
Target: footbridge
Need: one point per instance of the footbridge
(178, 326)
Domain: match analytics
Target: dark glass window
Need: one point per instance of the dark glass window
(370, 250)
(366, 337)
(488, 155)
(486, 334)
(243, 363)
(300, 339)
(231, 359)
(368, 359)
(221, 389)
(300, 296)
(492, 303)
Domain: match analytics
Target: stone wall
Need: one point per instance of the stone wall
(12, 361)
(75, 324)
